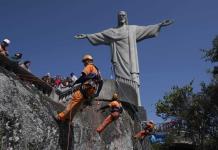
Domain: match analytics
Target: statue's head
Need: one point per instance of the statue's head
(122, 18)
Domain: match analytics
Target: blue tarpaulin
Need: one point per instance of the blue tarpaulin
(157, 138)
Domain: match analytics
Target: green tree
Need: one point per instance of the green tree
(197, 112)
(212, 53)
(212, 56)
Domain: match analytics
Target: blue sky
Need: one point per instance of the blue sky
(43, 31)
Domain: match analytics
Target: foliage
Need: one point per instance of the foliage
(197, 112)
(212, 54)
(175, 102)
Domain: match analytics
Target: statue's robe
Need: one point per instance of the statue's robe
(123, 41)
(124, 48)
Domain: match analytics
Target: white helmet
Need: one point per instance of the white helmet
(7, 41)
(87, 57)
(151, 121)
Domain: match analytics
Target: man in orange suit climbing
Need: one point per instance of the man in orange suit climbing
(116, 110)
(90, 84)
(148, 129)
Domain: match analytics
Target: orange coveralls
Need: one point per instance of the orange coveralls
(146, 131)
(112, 117)
(77, 96)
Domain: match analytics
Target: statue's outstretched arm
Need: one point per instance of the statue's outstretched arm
(80, 36)
(166, 23)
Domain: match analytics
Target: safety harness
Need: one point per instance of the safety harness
(117, 109)
(92, 85)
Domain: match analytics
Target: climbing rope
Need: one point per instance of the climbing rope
(68, 134)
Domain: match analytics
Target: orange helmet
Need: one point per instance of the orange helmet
(87, 57)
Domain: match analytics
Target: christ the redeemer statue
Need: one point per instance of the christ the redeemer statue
(122, 41)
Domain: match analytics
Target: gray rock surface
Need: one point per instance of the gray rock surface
(27, 123)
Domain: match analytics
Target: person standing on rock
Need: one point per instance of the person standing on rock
(3, 47)
(90, 86)
(26, 65)
(16, 58)
(116, 110)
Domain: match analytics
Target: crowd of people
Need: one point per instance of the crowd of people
(62, 85)
(17, 57)
(59, 81)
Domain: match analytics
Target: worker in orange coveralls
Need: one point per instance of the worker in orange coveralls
(116, 110)
(147, 130)
(90, 86)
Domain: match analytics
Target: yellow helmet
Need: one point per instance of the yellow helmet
(115, 96)
(87, 57)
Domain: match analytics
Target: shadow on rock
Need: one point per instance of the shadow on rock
(66, 136)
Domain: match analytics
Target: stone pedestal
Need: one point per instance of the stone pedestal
(126, 92)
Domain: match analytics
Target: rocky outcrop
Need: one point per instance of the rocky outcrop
(27, 123)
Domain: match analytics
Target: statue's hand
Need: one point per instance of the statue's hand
(166, 23)
(80, 36)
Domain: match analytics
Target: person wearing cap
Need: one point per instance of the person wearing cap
(26, 65)
(16, 58)
(3, 47)
(116, 110)
(90, 86)
(148, 129)
(47, 78)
